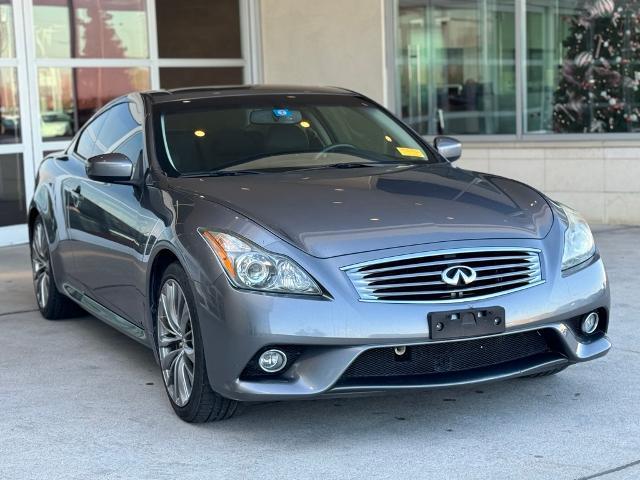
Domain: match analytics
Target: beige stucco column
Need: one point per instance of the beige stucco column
(325, 42)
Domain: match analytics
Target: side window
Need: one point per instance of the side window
(87, 141)
(131, 147)
(119, 122)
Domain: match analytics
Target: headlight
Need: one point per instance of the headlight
(249, 266)
(578, 239)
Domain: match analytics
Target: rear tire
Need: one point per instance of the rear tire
(181, 352)
(52, 304)
(547, 373)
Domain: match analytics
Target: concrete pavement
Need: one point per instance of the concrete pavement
(79, 400)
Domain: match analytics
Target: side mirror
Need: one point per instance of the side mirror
(110, 167)
(448, 147)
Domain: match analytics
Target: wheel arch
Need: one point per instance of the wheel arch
(31, 219)
(162, 258)
(42, 205)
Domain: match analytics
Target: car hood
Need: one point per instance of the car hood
(333, 211)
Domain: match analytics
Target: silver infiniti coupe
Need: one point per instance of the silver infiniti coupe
(274, 243)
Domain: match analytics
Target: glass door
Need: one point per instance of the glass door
(456, 65)
(16, 171)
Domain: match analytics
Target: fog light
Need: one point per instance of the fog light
(590, 323)
(399, 351)
(272, 361)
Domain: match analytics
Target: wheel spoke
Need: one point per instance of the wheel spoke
(181, 380)
(169, 359)
(190, 353)
(40, 241)
(176, 381)
(175, 342)
(45, 288)
(187, 375)
(184, 318)
(164, 317)
(168, 340)
(172, 304)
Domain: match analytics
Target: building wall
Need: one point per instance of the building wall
(600, 179)
(339, 43)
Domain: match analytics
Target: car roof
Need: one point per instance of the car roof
(192, 93)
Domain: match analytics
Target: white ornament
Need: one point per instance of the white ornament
(602, 8)
(583, 59)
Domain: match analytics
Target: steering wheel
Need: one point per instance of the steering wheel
(335, 146)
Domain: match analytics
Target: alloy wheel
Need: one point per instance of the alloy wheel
(175, 342)
(40, 265)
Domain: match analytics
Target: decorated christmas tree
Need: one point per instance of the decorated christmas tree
(599, 86)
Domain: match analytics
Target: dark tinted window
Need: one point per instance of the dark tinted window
(198, 29)
(87, 141)
(131, 147)
(118, 123)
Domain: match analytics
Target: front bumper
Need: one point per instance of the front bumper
(333, 333)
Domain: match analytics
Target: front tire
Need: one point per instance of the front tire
(181, 353)
(52, 304)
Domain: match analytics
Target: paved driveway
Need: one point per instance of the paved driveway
(80, 400)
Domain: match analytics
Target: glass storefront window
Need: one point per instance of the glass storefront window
(90, 28)
(203, 29)
(9, 112)
(7, 47)
(456, 66)
(12, 194)
(583, 66)
(69, 97)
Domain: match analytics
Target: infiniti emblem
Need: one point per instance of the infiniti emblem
(458, 275)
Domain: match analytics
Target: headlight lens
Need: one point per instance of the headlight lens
(249, 266)
(578, 240)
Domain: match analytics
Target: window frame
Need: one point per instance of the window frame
(391, 22)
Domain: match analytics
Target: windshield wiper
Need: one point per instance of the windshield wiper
(347, 165)
(354, 165)
(220, 173)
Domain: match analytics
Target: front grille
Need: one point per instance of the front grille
(418, 278)
(447, 357)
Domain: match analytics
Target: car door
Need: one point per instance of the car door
(73, 164)
(112, 227)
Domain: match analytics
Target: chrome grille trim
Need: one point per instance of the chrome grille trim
(416, 278)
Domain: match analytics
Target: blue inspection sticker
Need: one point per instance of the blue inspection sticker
(280, 112)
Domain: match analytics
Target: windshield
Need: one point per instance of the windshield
(279, 133)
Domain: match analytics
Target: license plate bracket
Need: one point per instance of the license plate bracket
(470, 322)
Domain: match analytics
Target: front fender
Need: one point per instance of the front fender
(42, 205)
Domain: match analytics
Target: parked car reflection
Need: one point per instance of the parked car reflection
(56, 124)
